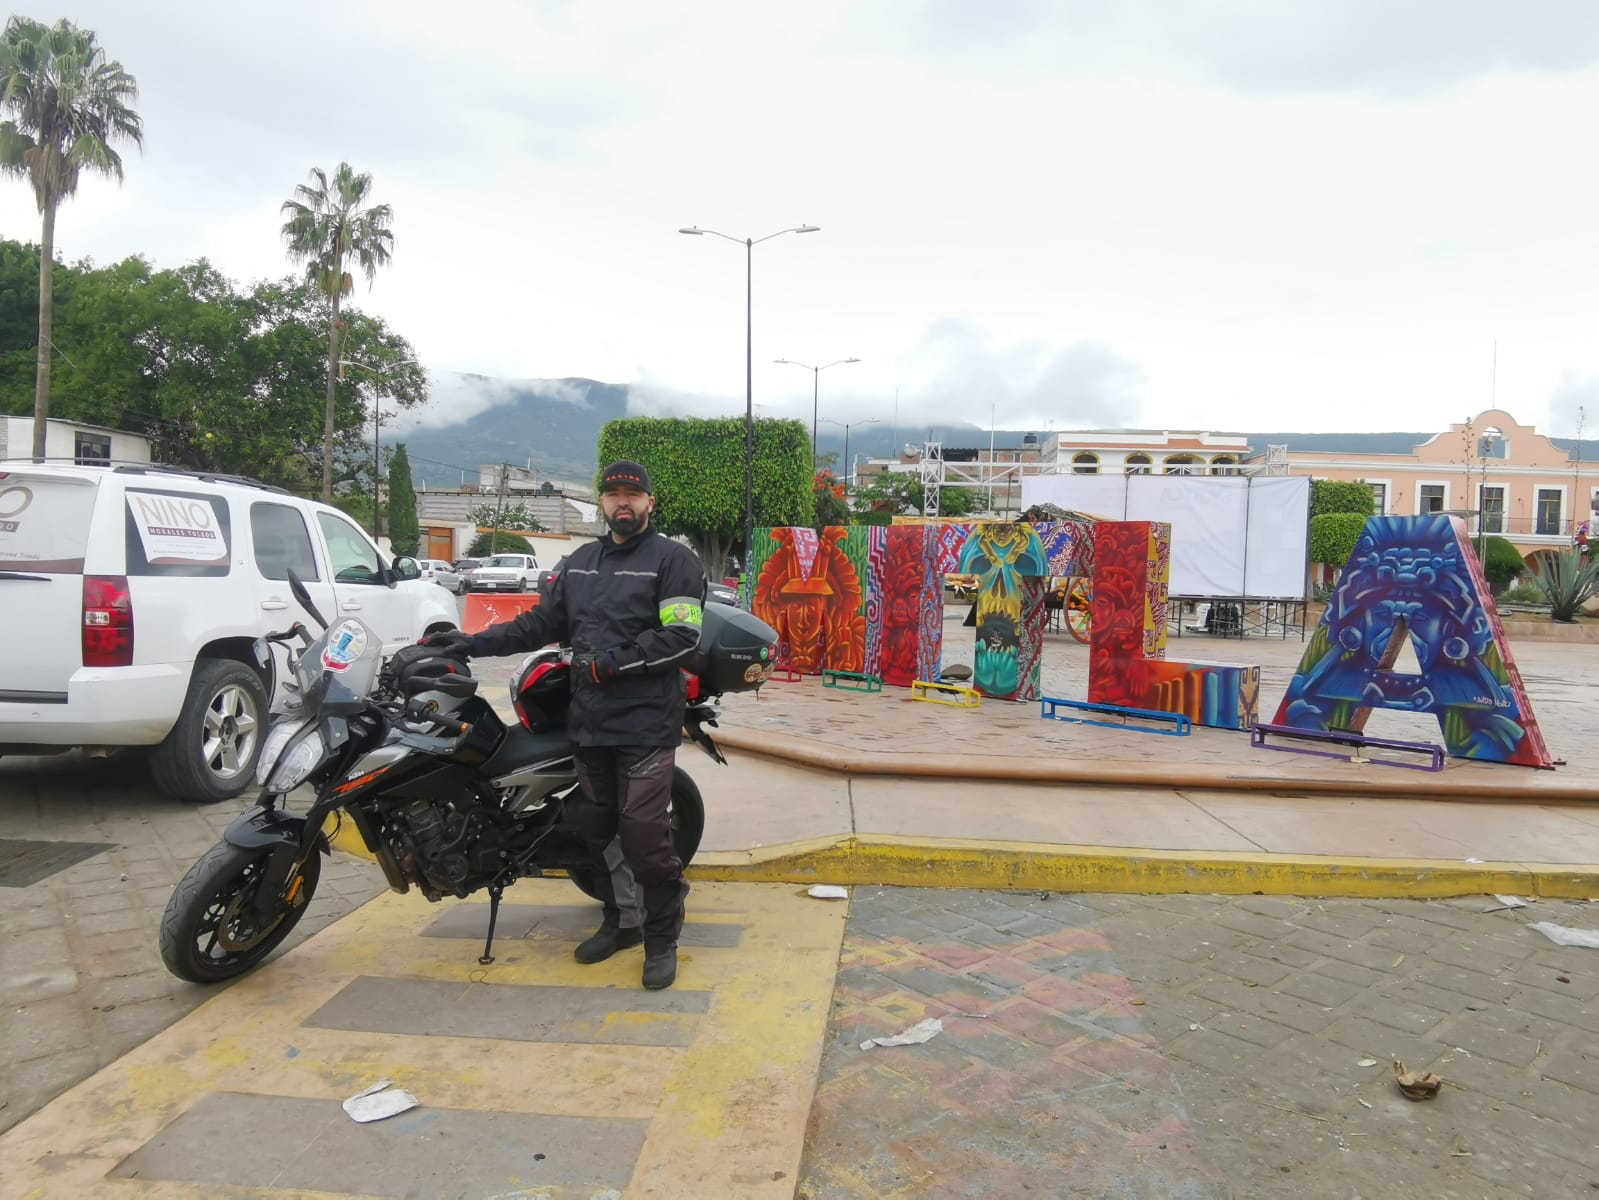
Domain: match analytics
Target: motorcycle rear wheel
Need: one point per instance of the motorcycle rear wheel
(210, 931)
(687, 817)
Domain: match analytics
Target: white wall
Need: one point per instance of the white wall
(60, 440)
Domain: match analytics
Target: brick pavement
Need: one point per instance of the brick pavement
(83, 980)
(1155, 1046)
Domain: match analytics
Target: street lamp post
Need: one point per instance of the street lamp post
(816, 373)
(749, 245)
(377, 463)
(849, 477)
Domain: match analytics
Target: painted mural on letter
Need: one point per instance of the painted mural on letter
(1004, 557)
(1417, 577)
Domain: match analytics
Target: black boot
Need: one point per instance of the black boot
(606, 941)
(660, 966)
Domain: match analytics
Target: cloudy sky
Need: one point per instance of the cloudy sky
(1225, 214)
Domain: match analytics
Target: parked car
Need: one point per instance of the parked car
(465, 566)
(720, 593)
(133, 596)
(547, 577)
(506, 573)
(436, 570)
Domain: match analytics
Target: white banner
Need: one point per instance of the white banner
(177, 529)
(1232, 535)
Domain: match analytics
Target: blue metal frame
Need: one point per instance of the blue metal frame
(1049, 706)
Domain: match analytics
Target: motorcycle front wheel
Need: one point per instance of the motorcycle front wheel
(211, 930)
(687, 817)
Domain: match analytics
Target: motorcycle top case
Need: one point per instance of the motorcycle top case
(737, 650)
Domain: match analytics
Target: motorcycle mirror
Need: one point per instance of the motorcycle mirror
(304, 597)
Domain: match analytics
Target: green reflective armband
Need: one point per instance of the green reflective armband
(682, 612)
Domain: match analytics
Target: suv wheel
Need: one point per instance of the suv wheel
(210, 753)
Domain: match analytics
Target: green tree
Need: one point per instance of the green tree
(1341, 496)
(404, 534)
(330, 228)
(512, 516)
(66, 104)
(697, 469)
(1333, 536)
(901, 492)
(1501, 563)
(500, 542)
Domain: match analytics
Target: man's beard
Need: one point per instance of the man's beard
(627, 526)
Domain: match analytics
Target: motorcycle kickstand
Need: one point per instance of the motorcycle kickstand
(494, 915)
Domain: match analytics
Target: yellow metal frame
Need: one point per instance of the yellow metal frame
(954, 695)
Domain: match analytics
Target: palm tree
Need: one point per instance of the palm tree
(327, 229)
(65, 103)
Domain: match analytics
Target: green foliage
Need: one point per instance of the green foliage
(1524, 593)
(1333, 536)
(831, 506)
(697, 469)
(1340, 496)
(502, 542)
(1568, 580)
(217, 378)
(902, 491)
(1501, 563)
(404, 533)
(512, 516)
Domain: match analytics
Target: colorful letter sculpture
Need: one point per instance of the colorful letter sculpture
(808, 588)
(1417, 577)
(1127, 663)
(1011, 568)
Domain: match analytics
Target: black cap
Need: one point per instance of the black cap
(625, 473)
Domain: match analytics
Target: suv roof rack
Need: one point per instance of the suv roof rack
(139, 467)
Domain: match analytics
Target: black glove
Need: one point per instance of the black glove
(601, 667)
(451, 642)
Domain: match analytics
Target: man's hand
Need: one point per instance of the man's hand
(601, 667)
(452, 642)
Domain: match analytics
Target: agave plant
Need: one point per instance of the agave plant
(1568, 580)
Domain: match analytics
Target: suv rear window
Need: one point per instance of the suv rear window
(44, 523)
(281, 541)
(177, 533)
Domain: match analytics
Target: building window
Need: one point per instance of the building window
(1184, 464)
(1431, 499)
(92, 449)
(1379, 499)
(1085, 464)
(1491, 510)
(1548, 512)
(1224, 464)
(1138, 464)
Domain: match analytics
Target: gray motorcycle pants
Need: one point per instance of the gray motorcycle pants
(625, 820)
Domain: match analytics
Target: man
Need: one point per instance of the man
(630, 605)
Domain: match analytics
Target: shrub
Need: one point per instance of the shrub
(1524, 593)
(1569, 580)
(504, 543)
(1333, 536)
(1340, 496)
(1501, 563)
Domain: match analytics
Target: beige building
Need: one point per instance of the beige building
(1503, 477)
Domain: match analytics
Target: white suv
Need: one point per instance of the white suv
(132, 596)
(507, 573)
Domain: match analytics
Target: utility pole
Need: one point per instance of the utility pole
(499, 507)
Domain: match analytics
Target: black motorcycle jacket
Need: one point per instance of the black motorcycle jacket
(637, 605)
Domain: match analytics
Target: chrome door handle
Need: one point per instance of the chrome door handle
(351, 606)
(273, 605)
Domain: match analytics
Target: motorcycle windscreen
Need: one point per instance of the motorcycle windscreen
(347, 657)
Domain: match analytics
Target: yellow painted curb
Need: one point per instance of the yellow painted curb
(1028, 866)
(1508, 785)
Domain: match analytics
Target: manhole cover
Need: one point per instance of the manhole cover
(24, 863)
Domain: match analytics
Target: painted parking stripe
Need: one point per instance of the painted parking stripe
(564, 923)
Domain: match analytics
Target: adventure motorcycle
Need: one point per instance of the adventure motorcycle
(444, 794)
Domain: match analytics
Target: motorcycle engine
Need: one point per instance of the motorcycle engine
(444, 849)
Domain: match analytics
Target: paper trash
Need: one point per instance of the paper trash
(828, 891)
(1561, 936)
(374, 1104)
(1511, 901)
(922, 1031)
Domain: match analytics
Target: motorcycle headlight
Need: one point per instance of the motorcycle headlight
(277, 739)
(296, 762)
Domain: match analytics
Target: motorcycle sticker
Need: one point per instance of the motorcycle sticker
(345, 644)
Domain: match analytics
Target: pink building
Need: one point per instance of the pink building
(1501, 476)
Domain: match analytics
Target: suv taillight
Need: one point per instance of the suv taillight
(107, 621)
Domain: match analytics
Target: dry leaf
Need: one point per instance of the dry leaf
(1416, 1087)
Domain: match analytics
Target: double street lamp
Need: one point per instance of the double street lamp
(382, 371)
(749, 245)
(816, 373)
(849, 478)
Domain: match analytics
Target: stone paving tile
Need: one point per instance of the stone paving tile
(1277, 1089)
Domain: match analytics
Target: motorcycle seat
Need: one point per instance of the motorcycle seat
(521, 749)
